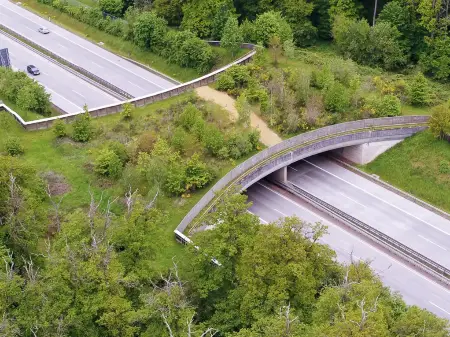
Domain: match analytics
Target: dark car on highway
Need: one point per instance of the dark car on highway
(33, 70)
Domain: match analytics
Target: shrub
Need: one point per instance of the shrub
(189, 117)
(13, 147)
(108, 164)
(59, 128)
(225, 82)
(322, 78)
(253, 138)
(419, 91)
(440, 121)
(213, 140)
(444, 167)
(389, 106)
(82, 128)
(196, 53)
(120, 150)
(127, 111)
(337, 98)
(239, 145)
(146, 142)
(149, 31)
(269, 24)
(343, 70)
(197, 174)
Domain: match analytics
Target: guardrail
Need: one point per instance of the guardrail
(71, 67)
(436, 270)
(301, 146)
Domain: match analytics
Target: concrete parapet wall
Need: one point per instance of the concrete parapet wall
(305, 145)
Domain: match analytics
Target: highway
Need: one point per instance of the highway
(270, 204)
(112, 68)
(401, 219)
(68, 91)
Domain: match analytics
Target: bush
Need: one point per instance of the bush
(197, 54)
(239, 145)
(225, 82)
(337, 98)
(13, 147)
(213, 140)
(149, 31)
(82, 128)
(322, 78)
(271, 24)
(59, 128)
(389, 106)
(440, 121)
(444, 167)
(189, 117)
(146, 142)
(127, 111)
(120, 150)
(419, 91)
(197, 174)
(108, 164)
(113, 7)
(343, 70)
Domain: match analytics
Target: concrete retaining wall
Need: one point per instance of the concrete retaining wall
(304, 145)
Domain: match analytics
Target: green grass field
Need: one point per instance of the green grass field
(420, 165)
(126, 48)
(26, 114)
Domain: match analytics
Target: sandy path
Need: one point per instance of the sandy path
(268, 137)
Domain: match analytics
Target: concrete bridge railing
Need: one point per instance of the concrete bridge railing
(299, 147)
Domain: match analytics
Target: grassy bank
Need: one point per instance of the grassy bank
(125, 48)
(26, 114)
(74, 161)
(420, 165)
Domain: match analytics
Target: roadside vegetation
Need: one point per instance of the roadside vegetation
(24, 95)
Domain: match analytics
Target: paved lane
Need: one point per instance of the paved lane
(67, 91)
(403, 220)
(118, 71)
(415, 288)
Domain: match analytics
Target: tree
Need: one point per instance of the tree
(347, 8)
(223, 14)
(419, 91)
(439, 122)
(149, 31)
(297, 13)
(197, 54)
(271, 24)
(170, 10)
(244, 110)
(275, 48)
(199, 16)
(82, 128)
(289, 49)
(231, 37)
(113, 7)
(436, 59)
(127, 111)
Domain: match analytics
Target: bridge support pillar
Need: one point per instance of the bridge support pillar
(279, 175)
(365, 153)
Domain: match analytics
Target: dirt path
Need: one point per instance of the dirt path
(268, 137)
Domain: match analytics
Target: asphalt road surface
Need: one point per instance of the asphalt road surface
(401, 219)
(116, 70)
(68, 91)
(270, 204)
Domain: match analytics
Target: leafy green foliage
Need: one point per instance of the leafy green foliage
(336, 98)
(113, 7)
(14, 147)
(419, 91)
(271, 24)
(82, 128)
(18, 88)
(232, 36)
(59, 128)
(108, 164)
(440, 121)
(127, 111)
(149, 31)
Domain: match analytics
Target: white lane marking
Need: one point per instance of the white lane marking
(33, 30)
(293, 168)
(78, 94)
(136, 85)
(396, 262)
(280, 212)
(448, 313)
(352, 199)
(434, 243)
(359, 188)
(260, 219)
(54, 92)
(115, 64)
(59, 44)
(98, 65)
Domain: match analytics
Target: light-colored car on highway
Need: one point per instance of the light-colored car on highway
(43, 30)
